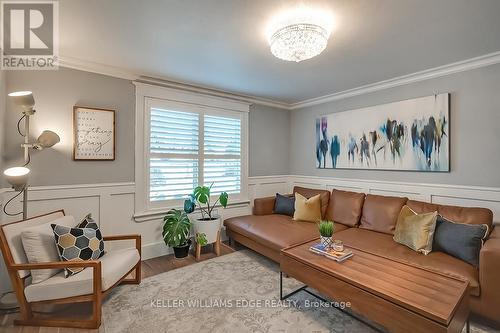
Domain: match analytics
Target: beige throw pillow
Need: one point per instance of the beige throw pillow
(416, 231)
(308, 210)
(40, 246)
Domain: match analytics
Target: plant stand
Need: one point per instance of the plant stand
(216, 247)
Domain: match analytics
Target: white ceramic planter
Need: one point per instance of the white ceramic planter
(209, 228)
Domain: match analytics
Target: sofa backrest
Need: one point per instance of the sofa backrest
(345, 207)
(468, 215)
(309, 192)
(380, 213)
(10, 234)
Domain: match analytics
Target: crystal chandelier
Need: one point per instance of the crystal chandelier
(300, 33)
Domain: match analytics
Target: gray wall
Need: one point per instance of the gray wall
(56, 92)
(474, 121)
(269, 140)
(3, 96)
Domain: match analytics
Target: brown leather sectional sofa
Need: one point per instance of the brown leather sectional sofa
(367, 222)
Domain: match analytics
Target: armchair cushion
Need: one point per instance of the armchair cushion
(115, 264)
(39, 246)
(13, 232)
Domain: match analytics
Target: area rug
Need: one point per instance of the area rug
(238, 292)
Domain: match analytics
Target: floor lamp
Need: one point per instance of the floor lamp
(17, 176)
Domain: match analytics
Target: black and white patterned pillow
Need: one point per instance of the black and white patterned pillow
(88, 222)
(77, 244)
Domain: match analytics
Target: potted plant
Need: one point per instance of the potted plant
(208, 224)
(176, 228)
(326, 229)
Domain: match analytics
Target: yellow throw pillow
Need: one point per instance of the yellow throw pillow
(308, 210)
(404, 213)
(416, 231)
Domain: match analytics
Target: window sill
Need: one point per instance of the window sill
(155, 214)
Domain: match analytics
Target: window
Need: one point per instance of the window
(179, 160)
(186, 145)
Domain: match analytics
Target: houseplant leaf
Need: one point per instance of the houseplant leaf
(201, 239)
(223, 197)
(202, 194)
(190, 204)
(176, 228)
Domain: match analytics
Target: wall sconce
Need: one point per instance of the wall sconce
(18, 176)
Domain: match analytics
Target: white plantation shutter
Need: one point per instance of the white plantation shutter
(174, 132)
(222, 152)
(174, 148)
(191, 148)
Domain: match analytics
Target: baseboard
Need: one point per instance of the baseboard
(159, 249)
(154, 250)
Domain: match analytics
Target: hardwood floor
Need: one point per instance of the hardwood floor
(150, 267)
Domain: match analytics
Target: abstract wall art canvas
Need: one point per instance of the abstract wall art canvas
(410, 135)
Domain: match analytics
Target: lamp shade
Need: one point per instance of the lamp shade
(17, 177)
(24, 99)
(47, 139)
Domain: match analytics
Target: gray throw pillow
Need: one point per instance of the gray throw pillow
(462, 241)
(284, 205)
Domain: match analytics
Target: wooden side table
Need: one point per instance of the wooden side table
(216, 247)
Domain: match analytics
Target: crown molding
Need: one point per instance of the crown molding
(456, 67)
(212, 92)
(440, 71)
(93, 67)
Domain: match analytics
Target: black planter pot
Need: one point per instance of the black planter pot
(182, 251)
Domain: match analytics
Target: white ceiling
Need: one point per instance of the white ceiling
(221, 43)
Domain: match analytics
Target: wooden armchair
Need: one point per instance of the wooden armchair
(90, 285)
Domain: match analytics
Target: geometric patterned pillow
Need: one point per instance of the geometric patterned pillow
(77, 244)
(88, 222)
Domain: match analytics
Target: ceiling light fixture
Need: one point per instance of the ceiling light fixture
(299, 33)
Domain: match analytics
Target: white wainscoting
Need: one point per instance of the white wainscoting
(112, 205)
(469, 196)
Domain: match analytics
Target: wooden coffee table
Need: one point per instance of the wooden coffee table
(395, 295)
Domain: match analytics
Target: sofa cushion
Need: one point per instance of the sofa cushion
(309, 192)
(345, 207)
(380, 213)
(114, 265)
(383, 245)
(308, 210)
(275, 231)
(468, 215)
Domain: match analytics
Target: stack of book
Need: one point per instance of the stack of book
(338, 256)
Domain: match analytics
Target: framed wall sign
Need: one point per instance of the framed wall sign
(93, 134)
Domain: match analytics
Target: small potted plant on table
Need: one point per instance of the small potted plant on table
(326, 229)
(176, 228)
(207, 226)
